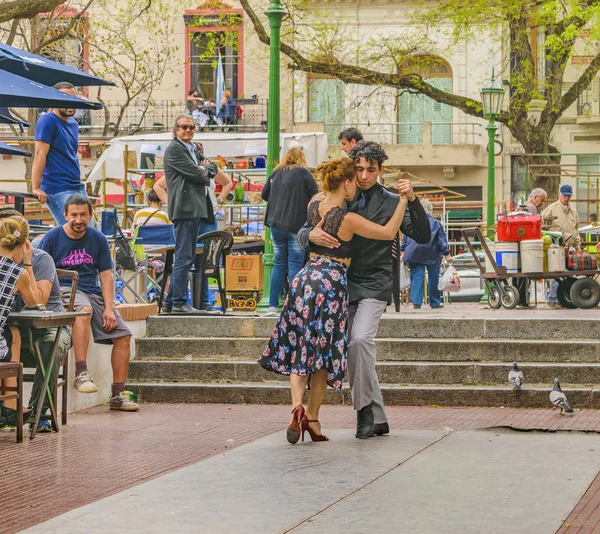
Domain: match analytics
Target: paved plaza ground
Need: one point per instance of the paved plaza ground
(227, 468)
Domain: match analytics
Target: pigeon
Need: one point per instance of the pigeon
(559, 399)
(515, 376)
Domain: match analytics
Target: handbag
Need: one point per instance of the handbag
(581, 261)
(124, 256)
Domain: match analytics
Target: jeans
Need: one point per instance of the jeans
(289, 259)
(56, 203)
(552, 292)
(204, 229)
(186, 234)
(417, 276)
(45, 338)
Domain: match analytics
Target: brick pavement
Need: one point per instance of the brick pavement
(101, 453)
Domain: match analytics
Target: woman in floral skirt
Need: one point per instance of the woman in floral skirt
(311, 336)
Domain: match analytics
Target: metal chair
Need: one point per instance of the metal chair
(110, 227)
(31, 356)
(12, 370)
(157, 235)
(208, 265)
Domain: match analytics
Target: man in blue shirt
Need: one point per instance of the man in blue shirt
(56, 174)
(77, 247)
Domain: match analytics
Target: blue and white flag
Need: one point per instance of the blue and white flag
(220, 82)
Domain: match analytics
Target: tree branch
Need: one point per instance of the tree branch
(65, 32)
(26, 9)
(360, 75)
(13, 32)
(580, 85)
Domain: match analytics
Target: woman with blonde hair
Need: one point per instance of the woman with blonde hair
(15, 249)
(311, 336)
(288, 192)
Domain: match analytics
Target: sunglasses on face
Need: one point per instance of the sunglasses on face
(187, 127)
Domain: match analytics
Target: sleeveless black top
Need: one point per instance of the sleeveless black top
(331, 224)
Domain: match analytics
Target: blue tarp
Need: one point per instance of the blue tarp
(19, 92)
(12, 150)
(43, 70)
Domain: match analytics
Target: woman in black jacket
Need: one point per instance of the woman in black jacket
(288, 192)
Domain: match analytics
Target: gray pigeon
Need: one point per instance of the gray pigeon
(515, 376)
(559, 399)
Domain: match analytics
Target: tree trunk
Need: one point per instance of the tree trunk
(543, 171)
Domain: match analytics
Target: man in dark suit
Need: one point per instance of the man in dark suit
(370, 279)
(188, 177)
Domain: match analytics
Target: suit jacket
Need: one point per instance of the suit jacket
(370, 273)
(187, 182)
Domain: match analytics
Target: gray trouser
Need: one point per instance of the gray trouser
(364, 323)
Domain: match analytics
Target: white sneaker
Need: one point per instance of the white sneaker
(84, 384)
(272, 309)
(124, 403)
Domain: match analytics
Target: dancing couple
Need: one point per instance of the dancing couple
(335, 302)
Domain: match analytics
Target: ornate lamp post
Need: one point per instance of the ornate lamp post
(491, 100)
(275, 14)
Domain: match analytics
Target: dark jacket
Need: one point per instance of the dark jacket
(432, 252)
(288, 192)
(186, 182)
(370, 273)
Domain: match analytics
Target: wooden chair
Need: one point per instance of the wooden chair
(28, 354)
(11, 370)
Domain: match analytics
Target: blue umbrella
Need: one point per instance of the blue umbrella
(12, 151)
(7, 118)
(43, 70)
(18, 92)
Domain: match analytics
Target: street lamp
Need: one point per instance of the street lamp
(275, 14)
(491, 101)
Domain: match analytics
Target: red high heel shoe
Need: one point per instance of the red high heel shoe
(313, 435)
(293, 430)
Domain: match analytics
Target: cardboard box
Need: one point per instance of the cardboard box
(244, 273)
(243, 301)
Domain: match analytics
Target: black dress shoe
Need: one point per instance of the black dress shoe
(381, 428)
(365, 422)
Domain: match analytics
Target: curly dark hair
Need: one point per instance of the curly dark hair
(370, 150)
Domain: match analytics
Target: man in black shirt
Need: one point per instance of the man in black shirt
(370, 279)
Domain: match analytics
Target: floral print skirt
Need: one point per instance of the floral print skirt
(312, 333)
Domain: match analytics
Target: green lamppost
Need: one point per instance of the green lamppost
(275, 14)
(491, 100)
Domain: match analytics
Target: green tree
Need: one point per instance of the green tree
(132, 44)
(315, 42)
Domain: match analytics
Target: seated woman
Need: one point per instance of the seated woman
(14, 249)
(311, 336)
(153, 214)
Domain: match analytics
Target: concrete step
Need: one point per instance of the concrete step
(534, 396)
(399, 349)
(391, 326)
(388, 372)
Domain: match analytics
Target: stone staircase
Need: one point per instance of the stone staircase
(422, 360)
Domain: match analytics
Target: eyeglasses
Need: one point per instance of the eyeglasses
(191, 127)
